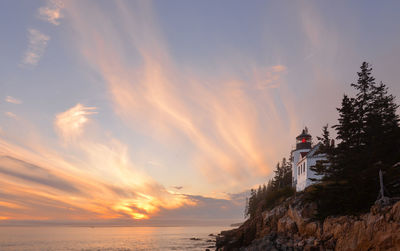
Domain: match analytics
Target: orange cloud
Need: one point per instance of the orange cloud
(99, 183)
(224, 119)
(51, 189)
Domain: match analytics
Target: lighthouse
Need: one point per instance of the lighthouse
(304, 156)
(303, 146)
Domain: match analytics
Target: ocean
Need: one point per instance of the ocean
(107, 238)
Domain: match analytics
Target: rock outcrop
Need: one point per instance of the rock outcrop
(290, 226)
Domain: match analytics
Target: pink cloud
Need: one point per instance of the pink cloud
(13, 100)
(51, 12)
(36, 46)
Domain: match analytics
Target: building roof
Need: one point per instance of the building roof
(304, 134)
(313, 153)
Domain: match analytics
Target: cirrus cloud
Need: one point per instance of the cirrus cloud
(11, 115)
(71, 122)
(51, 12)
(36, 46)
(228, 123)
(13, 100)
(100, 182)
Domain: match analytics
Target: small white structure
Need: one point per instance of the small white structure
(303, 157)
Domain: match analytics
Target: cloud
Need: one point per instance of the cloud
(13, 100)
(270, 77)
(208, 208)
(30, 173)
(70, 123)
(36, 47)
(51, 12)
(219, 121)
(11, 115)
(278, 68)
(99, 182)
(178, 187)
(137, 196)
(230, 124)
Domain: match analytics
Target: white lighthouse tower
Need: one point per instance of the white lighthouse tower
(304, 157)
(303, 146)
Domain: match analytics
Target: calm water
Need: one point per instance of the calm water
(106, 238)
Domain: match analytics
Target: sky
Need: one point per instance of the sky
(168, 112)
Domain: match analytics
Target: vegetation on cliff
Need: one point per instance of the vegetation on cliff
(368, 136)
(369, 140)
(333, 213)
(278, 189)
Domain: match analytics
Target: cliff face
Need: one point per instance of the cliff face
(289, 226)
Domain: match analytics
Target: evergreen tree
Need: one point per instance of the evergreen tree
(287, 173)
(283, 175)
(278, 177)
(278, 188)
(382, 127)
(251, 204)
(270, 186)
(362, 103)
(369, 140)
(326, 149)
(264, 189)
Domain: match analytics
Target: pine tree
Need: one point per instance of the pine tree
(251, 204)
(348, 124)
(382, 126)
(326, 149)
(325, 139)
(264, 190)
(278, 188)
(362, 102)
(278, 177)
(286, 173)
(369, 140)
(283, 175)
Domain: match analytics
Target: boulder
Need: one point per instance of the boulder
(286, 225)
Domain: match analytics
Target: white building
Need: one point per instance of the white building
(303, 157)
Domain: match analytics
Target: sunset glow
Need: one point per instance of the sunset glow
(142, 111)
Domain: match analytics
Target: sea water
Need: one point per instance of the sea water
(107, 238)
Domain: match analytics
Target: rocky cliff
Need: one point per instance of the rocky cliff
(290, 226)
